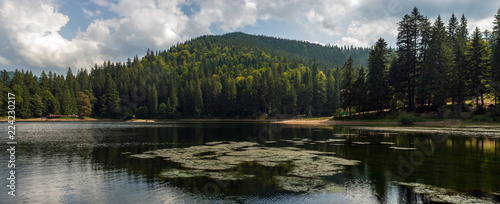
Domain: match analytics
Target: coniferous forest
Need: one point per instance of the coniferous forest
(434, 66)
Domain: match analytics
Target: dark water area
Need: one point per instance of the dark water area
(89, 162)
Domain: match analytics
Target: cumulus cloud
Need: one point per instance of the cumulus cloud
(32, 28)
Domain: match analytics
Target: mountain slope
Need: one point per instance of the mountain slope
(326, 56)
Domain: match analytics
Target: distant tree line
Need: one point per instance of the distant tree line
(238, 75)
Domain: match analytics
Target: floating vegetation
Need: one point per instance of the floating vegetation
(221, 161)
(330, 140)
(143, 156)
(361, 143)
(387, 133)
(442, 195)
(493, 132)
(219, 175)
(345, 135)
(403, 148)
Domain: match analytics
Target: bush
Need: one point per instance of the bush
(407, 118)
(480, 110)
(142, 112)
(494, 112)
(481, 119)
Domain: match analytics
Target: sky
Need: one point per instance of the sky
(53, 35)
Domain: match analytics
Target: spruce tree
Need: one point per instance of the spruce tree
(347, 90)
(410, 43)
(478, 56)
(434, 77)
(458, 35)
(495, 57)
(378, 92)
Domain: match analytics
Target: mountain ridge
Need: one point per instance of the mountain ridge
(326, 56)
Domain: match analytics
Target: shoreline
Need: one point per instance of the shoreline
(300, 122)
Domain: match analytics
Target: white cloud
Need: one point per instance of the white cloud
(91, 13)
(343, 20)
(141, 25)
(4, 61)
(32, 28)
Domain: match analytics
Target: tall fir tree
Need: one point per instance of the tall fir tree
(378, 91)
(360, 92)
(478, 56)
(410, 43)
(347, 90)
(434, 78)
(458, 35)
(495, 57)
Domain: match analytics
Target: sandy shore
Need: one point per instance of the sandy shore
(446, 123)
(141, 121)
(334, 122)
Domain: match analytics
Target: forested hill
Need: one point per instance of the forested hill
(326, 56)
(231, 76)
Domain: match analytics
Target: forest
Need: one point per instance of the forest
(434, 66)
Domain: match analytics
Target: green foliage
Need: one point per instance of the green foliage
(407, 118)
(481, 119)
(377, 82)
(142, 112)
(162, 110)
(434, 80)
(36, 106)
(478, 57)
(83, 104)
(495, 57)
(347, 91)
(51, 103)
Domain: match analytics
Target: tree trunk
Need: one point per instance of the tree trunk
(482, 99)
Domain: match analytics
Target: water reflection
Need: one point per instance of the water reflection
(63, 162)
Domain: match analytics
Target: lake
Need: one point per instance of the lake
(91, 162)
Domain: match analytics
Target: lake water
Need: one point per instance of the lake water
(89, 162)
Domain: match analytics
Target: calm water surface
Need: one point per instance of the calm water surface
(88, 162)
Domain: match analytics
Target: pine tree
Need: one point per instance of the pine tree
(478, 56)
(320, 97)
(495, 57)
(110, 106)
(378, 91)
(411, 44)
(152, 101)
(172, 101)
(360, 92)
(331, 93)
(434, 78)
(228, 97)
(458, 35)
(51, 103)
(347, 91)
